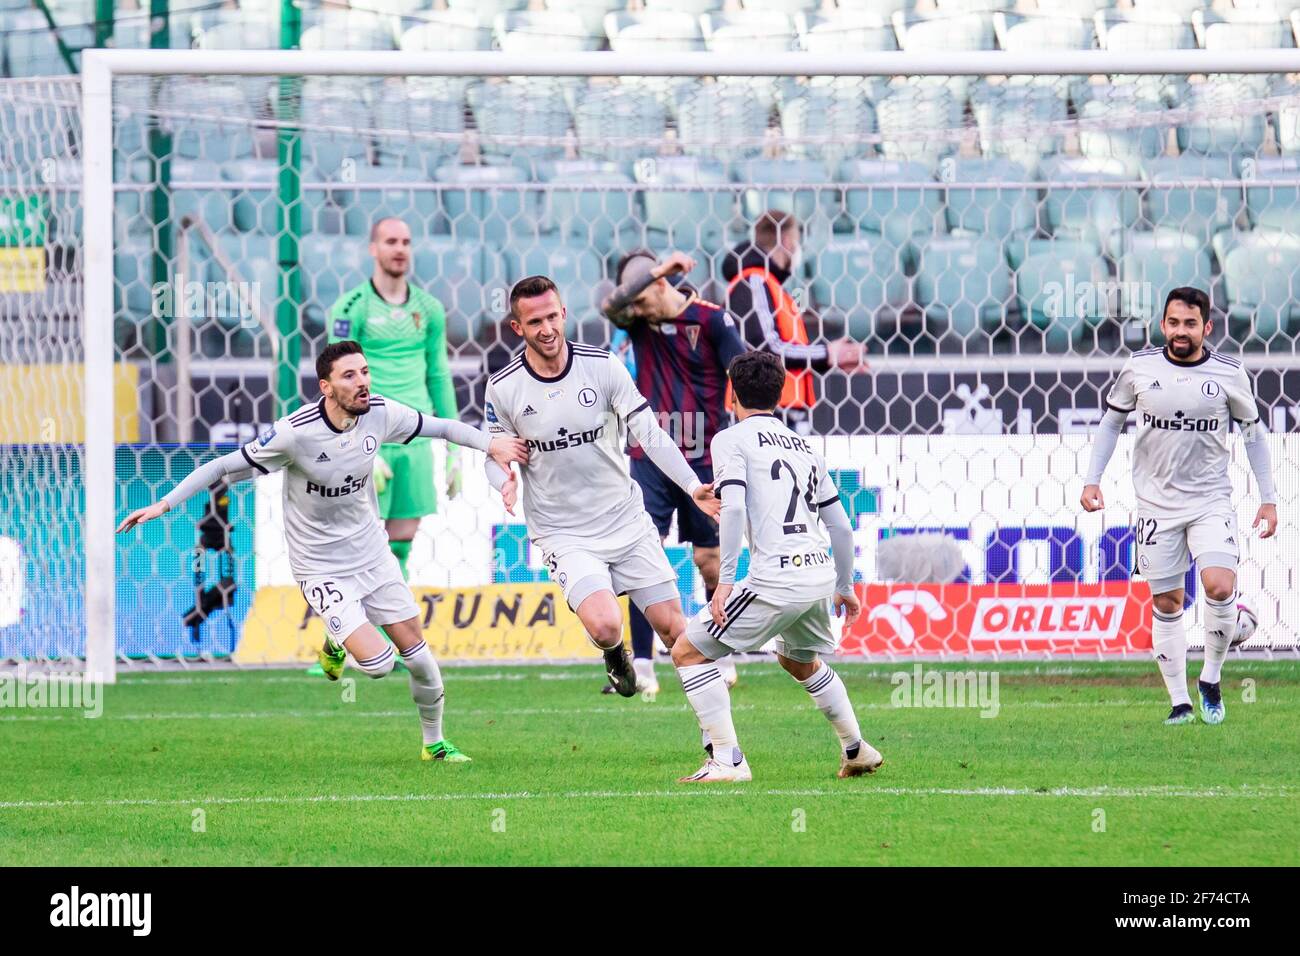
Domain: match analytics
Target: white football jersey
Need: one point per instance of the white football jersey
(576, 485)
(331, 514)
(1180, 455)
(786, 485)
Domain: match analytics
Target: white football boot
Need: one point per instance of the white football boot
(715, 772)
(868, 760)
(727, 667)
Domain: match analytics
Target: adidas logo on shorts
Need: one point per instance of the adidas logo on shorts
(529, 410)
(322, 457)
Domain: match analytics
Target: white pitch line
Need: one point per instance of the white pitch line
(848, 791)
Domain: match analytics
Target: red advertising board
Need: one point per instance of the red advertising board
(1113, 617)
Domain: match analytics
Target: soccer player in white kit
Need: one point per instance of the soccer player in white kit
(338, 549)
(1184, 395)
(571, 403)
(776, 486)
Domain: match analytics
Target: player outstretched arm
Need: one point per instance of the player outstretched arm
(1103, 447)
(668, 458)
(1255, 437)
(840, 530)
(501, 450)
(731, 533)
(233, 468)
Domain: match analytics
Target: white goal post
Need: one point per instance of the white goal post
(100, 68)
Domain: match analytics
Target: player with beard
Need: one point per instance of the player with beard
(1184, 395)
(338, 550)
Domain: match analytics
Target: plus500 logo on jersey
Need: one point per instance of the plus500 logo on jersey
(566, 439)
(1179, 423)
(350, 486)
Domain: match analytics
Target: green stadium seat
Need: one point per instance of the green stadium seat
(456, 274)
(908, 117)
(884, 8)
(1194, 210)
(363, 207)
(691, 218)
(827, 123)
(195, 193)
(1123, 123)
(254, 259)
(1220, 132)
(576, 270)
(995, 211)
(487, 10)
(1099, 214)
(330, 266)
(1273, 207)
(252, 193)
(1245, 29)
(943, 33)
(619, 123)
(1137, 31)
(788, 7)
(863, 280)
(520, 122)
(1044, 286)
(326, 103)
(891, 199)
(31, 50)
(437, 118)
(600, 212)
(1155, 262)
(1082, 9)
(133, 278)
(963, 283)
(1014, 121)
(1261, 288)
(482, 211)
(1020, 248)
(806, 204)
(721, 122)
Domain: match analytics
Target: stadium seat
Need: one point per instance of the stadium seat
(1195, 210)
(891, 199)
(1047, 287)
(1073, 8)
(863, 281)
(330, 266)
(1249, 29)
(940, 33)
(919, 123)
(618, 123)
(207, 120)
(133, 278)
(722, 122)
(1122, 122)
(195, 193)
(592, 12)
(654, 31)
(1219, 132)
(691, 218)
(31, 49)
(333, 104)
(827, 123)
(1020, 248)
(884, 8)
(255, 263)
(1273, 207)
(456, 274)
(252, 193)
(235, 31)
(458, 30)
(437, 118)
(1259, 281)
(363, 207)
(1014, 121)
(788, 7)
(1155, 262)
(576, 269)
(846, 31)
(483, 211)
(556, 31)
(1137, 30)
(603, 219)
(1099, 214)
(749, 31)
(995, 211)
(962, 284)
(518, 123)
(352, 29)
(806, 203)
(1179, 8)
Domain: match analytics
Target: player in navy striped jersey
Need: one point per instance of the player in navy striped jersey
(682, 346)
(573, 403)
(338, 549)
(1185, 394)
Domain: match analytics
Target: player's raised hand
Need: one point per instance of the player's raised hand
(719, 602)
(141, 515)
(1267, 516)
(510, 493)
(707, 502)
(675, 262)
(849, 606)
(506, 450)
(1091, 498)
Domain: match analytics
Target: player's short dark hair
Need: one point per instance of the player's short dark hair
(332, 353)
(530, 288)
(757, 378)
(1188, 295)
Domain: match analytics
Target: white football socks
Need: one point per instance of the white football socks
(832, 699)
(426, 690)
(708, 696)
(1220, 629)
(645, 671)
(1169, 647)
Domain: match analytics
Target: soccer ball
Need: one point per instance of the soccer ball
(1247, 622)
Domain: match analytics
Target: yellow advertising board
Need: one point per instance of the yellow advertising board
(22, 270)
(52, 410)
(490, 622)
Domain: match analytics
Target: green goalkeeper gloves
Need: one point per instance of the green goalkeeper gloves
(383, 474)
(453, 471)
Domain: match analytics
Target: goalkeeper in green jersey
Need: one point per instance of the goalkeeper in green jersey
(404, 332)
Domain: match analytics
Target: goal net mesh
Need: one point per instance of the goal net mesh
(998, 244)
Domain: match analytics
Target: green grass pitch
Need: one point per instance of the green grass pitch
(275, 767)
